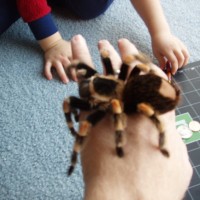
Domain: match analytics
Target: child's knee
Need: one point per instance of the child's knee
(89, 9)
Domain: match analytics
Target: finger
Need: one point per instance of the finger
(126, 48)
(61, 72)
(73, 74)
(180, 58)
(173, 60)
(80, 50)
(105, 45)
(47, 70)
(66, 62)
(186, 56)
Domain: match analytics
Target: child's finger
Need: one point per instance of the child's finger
(180, 58)
(61, 72)
(47, 70)
(105, 45)
(66, 62)
(186, 56)
(174, 62)
(80, 50)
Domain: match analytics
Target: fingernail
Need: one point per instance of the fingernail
(122, 40)
(103, 42)
(65, 81)
(49, 78)
(78, 37)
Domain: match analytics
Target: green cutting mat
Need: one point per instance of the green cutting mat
(185, 119)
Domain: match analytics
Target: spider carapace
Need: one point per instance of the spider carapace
(143, 92)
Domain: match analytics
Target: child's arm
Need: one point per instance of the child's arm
(164, 44)
(37, 14)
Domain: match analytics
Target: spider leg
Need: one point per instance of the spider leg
(84, 129)
(77, 148)
(125, 66)
(161, 135)
(149, 112)
(139, 68)
(119, 120)
(143, 66)
(70, 106)
(123, 71)
(83, 71)
(76, 114)
(107, 62)
(67, 111)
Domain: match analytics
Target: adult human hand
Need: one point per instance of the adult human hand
(143, 173)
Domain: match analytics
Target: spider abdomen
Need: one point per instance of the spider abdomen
(147, 89)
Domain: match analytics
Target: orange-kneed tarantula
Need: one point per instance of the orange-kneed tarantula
(143, 92)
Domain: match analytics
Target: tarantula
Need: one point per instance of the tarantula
(143, 91)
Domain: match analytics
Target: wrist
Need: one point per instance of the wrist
(159, 30)
(43, 27)
(49, 42)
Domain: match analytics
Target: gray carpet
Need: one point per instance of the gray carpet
(35, 144)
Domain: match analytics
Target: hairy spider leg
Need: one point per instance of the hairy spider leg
(143, 66)
(161, 135)
(77, 148)
(85, 71)
(149, 112)
(84, 129)
(123, 71)
(119, 121)
(67, 112)
(135, 71)
(75, 113)
(125, 66)
(70, 106)
(138, 68)
(107, 62)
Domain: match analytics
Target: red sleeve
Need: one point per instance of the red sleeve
(31, 10)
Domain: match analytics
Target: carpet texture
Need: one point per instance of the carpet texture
(35, 144)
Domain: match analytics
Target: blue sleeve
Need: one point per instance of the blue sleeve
(43, 27)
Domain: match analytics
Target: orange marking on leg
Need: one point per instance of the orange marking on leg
(84, 127)
(66, 106)
(104, 53)
(146, 109)
(143, 67)
(129, 59)
(116, 106)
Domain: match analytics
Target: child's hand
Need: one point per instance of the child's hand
(58, 56)
(166, 46)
